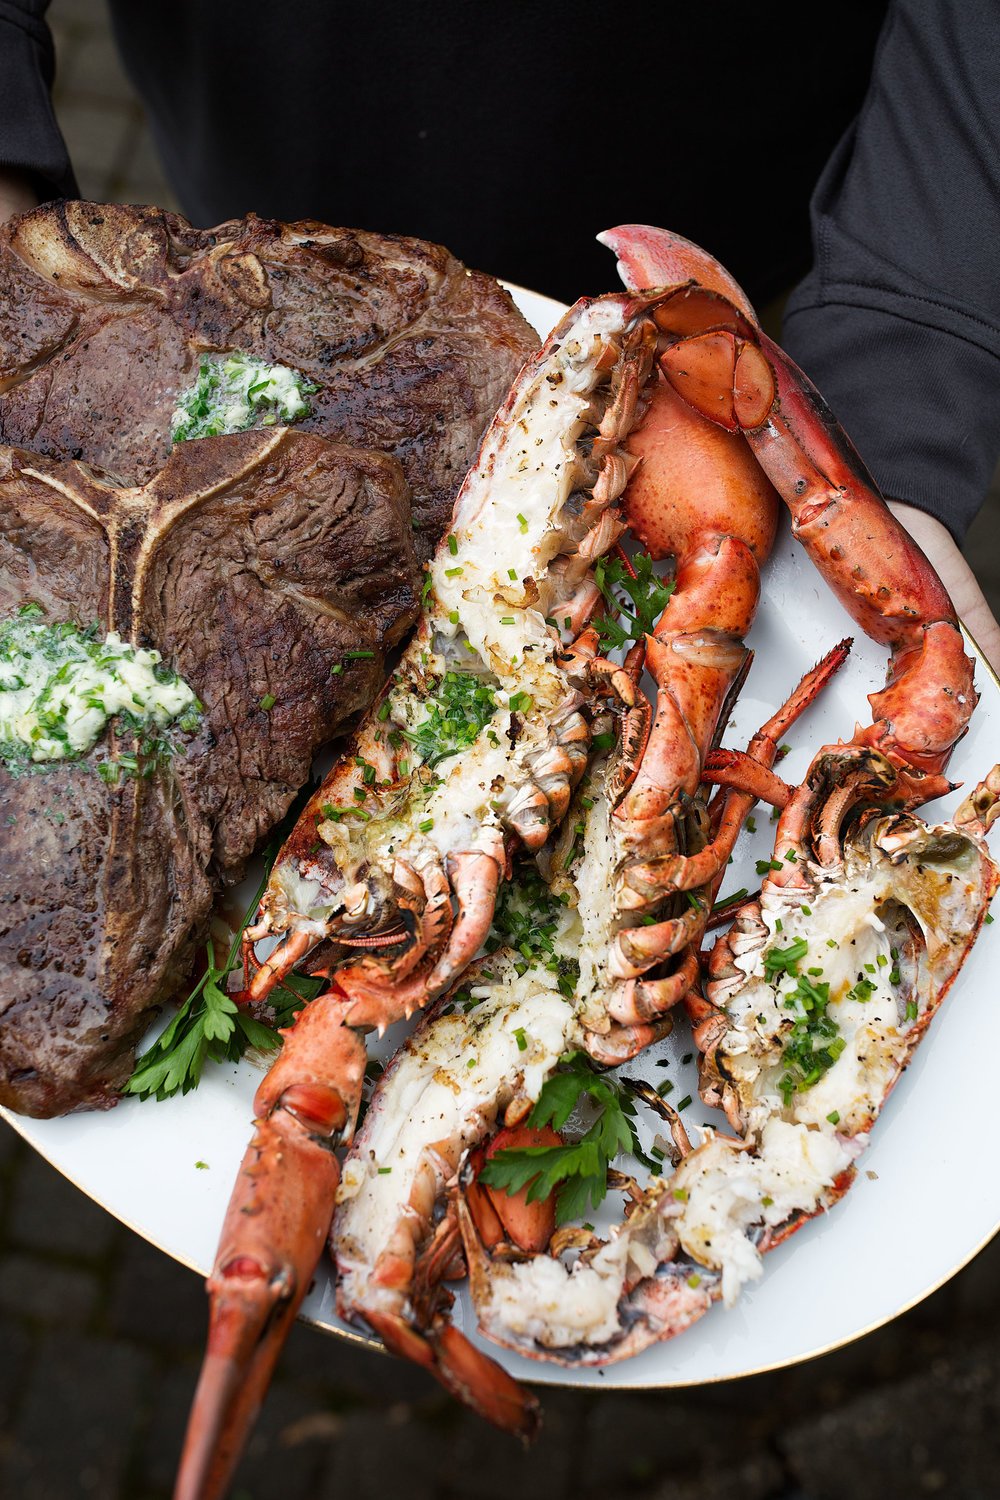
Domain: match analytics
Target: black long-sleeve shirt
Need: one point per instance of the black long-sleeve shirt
(898, 323)
(513, 135)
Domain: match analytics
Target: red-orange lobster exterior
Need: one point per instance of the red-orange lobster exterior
(734, 406)
(727, 368)
(307, 1105)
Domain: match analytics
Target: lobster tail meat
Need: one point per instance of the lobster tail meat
(446, 1091)
(808, 1055)
(453, 1102)
(484, 728)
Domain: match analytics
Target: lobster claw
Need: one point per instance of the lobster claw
(730, 372)
(274, 1232)
(255, 1295)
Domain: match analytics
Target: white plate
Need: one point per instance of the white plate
(925, 1200)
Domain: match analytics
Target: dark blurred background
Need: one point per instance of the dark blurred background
(101, 1334)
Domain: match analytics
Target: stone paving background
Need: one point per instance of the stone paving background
(100, 1334)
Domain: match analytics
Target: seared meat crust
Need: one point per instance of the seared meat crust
(105, 310)
(254, 563)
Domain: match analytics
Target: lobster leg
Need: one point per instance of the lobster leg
(642, 1000)
(468, 1374)
(700, 498)
(379, 1001)
(273, 1236)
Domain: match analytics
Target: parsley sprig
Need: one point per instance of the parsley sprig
(645, 598)
(209, 1023)
(578, 1171)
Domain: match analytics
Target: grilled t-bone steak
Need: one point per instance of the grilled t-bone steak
(106, 310)
(271, 570)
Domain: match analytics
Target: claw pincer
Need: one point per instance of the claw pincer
(273, 1234)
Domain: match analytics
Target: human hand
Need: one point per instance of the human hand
(956, 575)
(16, 193)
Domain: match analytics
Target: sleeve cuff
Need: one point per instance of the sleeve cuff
(921, 404)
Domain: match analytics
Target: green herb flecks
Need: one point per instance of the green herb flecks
(233, 392)
(578, 1171)
(814, 1043)
(60, 684)
(458, 710)
(526, 919)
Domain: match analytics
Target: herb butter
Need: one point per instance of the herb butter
(233, 392)
(59, 686)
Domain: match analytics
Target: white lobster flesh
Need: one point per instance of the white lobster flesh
(441, 1094)
(481, 1056)
(903, 911)
(885, 933)
(394, 831)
